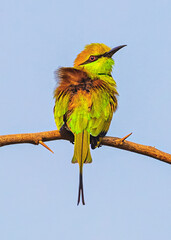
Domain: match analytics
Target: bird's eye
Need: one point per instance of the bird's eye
(92, 58)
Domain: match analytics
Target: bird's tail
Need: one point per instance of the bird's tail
(81, 155)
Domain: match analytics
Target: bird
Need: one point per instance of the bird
(85, 100)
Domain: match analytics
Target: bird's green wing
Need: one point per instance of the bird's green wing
(61, 107)
(103, 106)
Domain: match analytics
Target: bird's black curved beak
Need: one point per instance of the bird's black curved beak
(113, 51)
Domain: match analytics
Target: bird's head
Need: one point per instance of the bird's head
(96, 59)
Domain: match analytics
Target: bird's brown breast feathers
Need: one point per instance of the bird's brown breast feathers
(71, 80)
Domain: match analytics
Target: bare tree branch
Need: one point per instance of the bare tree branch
(41, 137)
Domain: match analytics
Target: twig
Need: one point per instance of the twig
(121, 143)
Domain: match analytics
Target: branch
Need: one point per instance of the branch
(41, 137)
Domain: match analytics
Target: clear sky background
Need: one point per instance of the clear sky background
(128, 196)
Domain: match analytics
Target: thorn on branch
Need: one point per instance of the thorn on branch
(44, 145)
(121, 140)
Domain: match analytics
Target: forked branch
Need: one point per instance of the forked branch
(41, 137)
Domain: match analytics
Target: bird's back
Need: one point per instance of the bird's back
(84, 103)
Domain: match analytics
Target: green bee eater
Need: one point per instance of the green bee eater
(85, 100)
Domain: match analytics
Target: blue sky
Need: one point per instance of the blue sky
(128, 196)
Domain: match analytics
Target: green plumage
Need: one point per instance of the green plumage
(85, 107)
(85, 101)
(81, 148)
